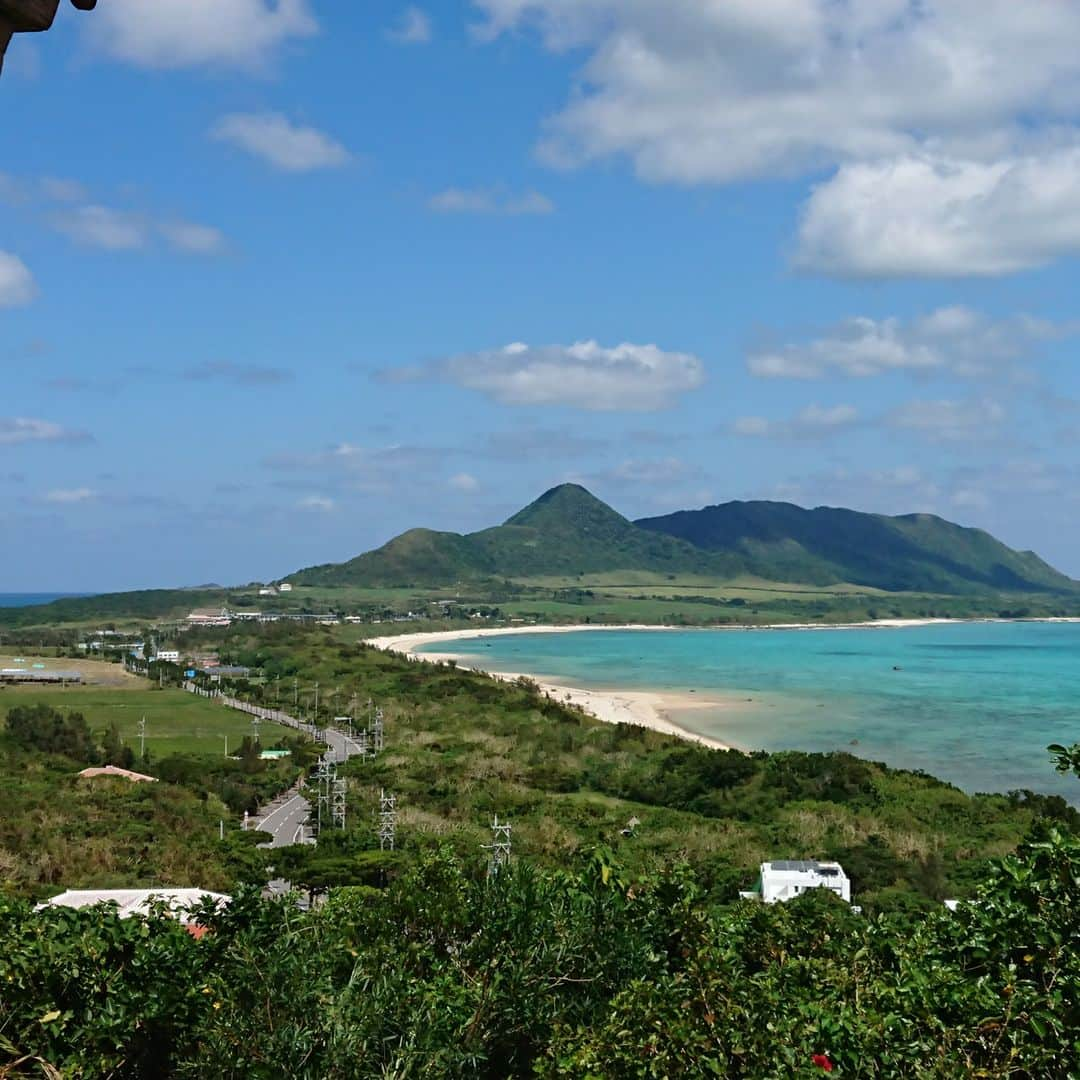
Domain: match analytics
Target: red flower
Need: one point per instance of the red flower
(822, 1061)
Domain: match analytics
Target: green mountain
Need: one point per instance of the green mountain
(568, 531)
(915, 552)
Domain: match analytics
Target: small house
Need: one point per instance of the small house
(789, 878)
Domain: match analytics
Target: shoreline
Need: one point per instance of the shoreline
(651, 709)
(645, 708)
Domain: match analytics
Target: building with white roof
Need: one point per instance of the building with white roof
(789, 878)
(138, 901)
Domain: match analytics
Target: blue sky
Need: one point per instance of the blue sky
(280, 280)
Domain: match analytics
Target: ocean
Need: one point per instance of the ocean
(972, 703)
(25, 599)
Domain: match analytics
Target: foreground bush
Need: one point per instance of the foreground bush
(447, 973)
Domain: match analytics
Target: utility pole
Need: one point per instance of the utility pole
(387, 820)
(316, 704)
(499, 846)
(255, 722)
(295, 692)
(226, 745)
(142, 738)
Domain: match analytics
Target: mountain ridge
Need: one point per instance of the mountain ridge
(568, 531)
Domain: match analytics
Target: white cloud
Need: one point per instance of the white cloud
(277, 140)
(936, 217)
(728, 89)
(317, 502)
(70, 495)
(948, 421)
(192, 238)
(15, 430)
(60, 190)
(464, 482)
(488, 201)
(102, 227)
(414, 28)
(951, 122)
(17, 285)
(585, 375)
(110, 229)
(192, 33)
(953, 341)
(812, 422)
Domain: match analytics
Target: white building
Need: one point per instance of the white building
(138, 901)
(788, 878)
(168, 656)
(284, 587)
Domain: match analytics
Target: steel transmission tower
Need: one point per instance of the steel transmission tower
(377, 732)
(387, 820)
(338, 796)
(325, 775)
(499, 846)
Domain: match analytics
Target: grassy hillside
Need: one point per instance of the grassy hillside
(917, 552)
(566, 531)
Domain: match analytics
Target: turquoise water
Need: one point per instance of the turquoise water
(972, 703)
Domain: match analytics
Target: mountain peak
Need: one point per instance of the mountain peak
(568, 505)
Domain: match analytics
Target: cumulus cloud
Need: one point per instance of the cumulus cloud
(238, 374)
(585, 375)
(15, 430)
(949, 421)
(413, 28)
(194, 33)
(812, 422)
(942, 116)
(277, 140)
(935, 217)
(490, 201)
(953, 341)
(17, 285)
(695, 91)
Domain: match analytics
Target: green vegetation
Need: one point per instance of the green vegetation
(586, 973)
(462, 746)
(915, 552)
(176, 723)
(612, 946)
(58, 831)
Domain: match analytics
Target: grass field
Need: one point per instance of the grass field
(176, 722)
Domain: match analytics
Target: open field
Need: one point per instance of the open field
(94, 672)
(176, 722)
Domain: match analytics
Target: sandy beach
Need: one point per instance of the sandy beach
(650, 709)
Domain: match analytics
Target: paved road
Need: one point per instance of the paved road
(284, 820)
(285, 817)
